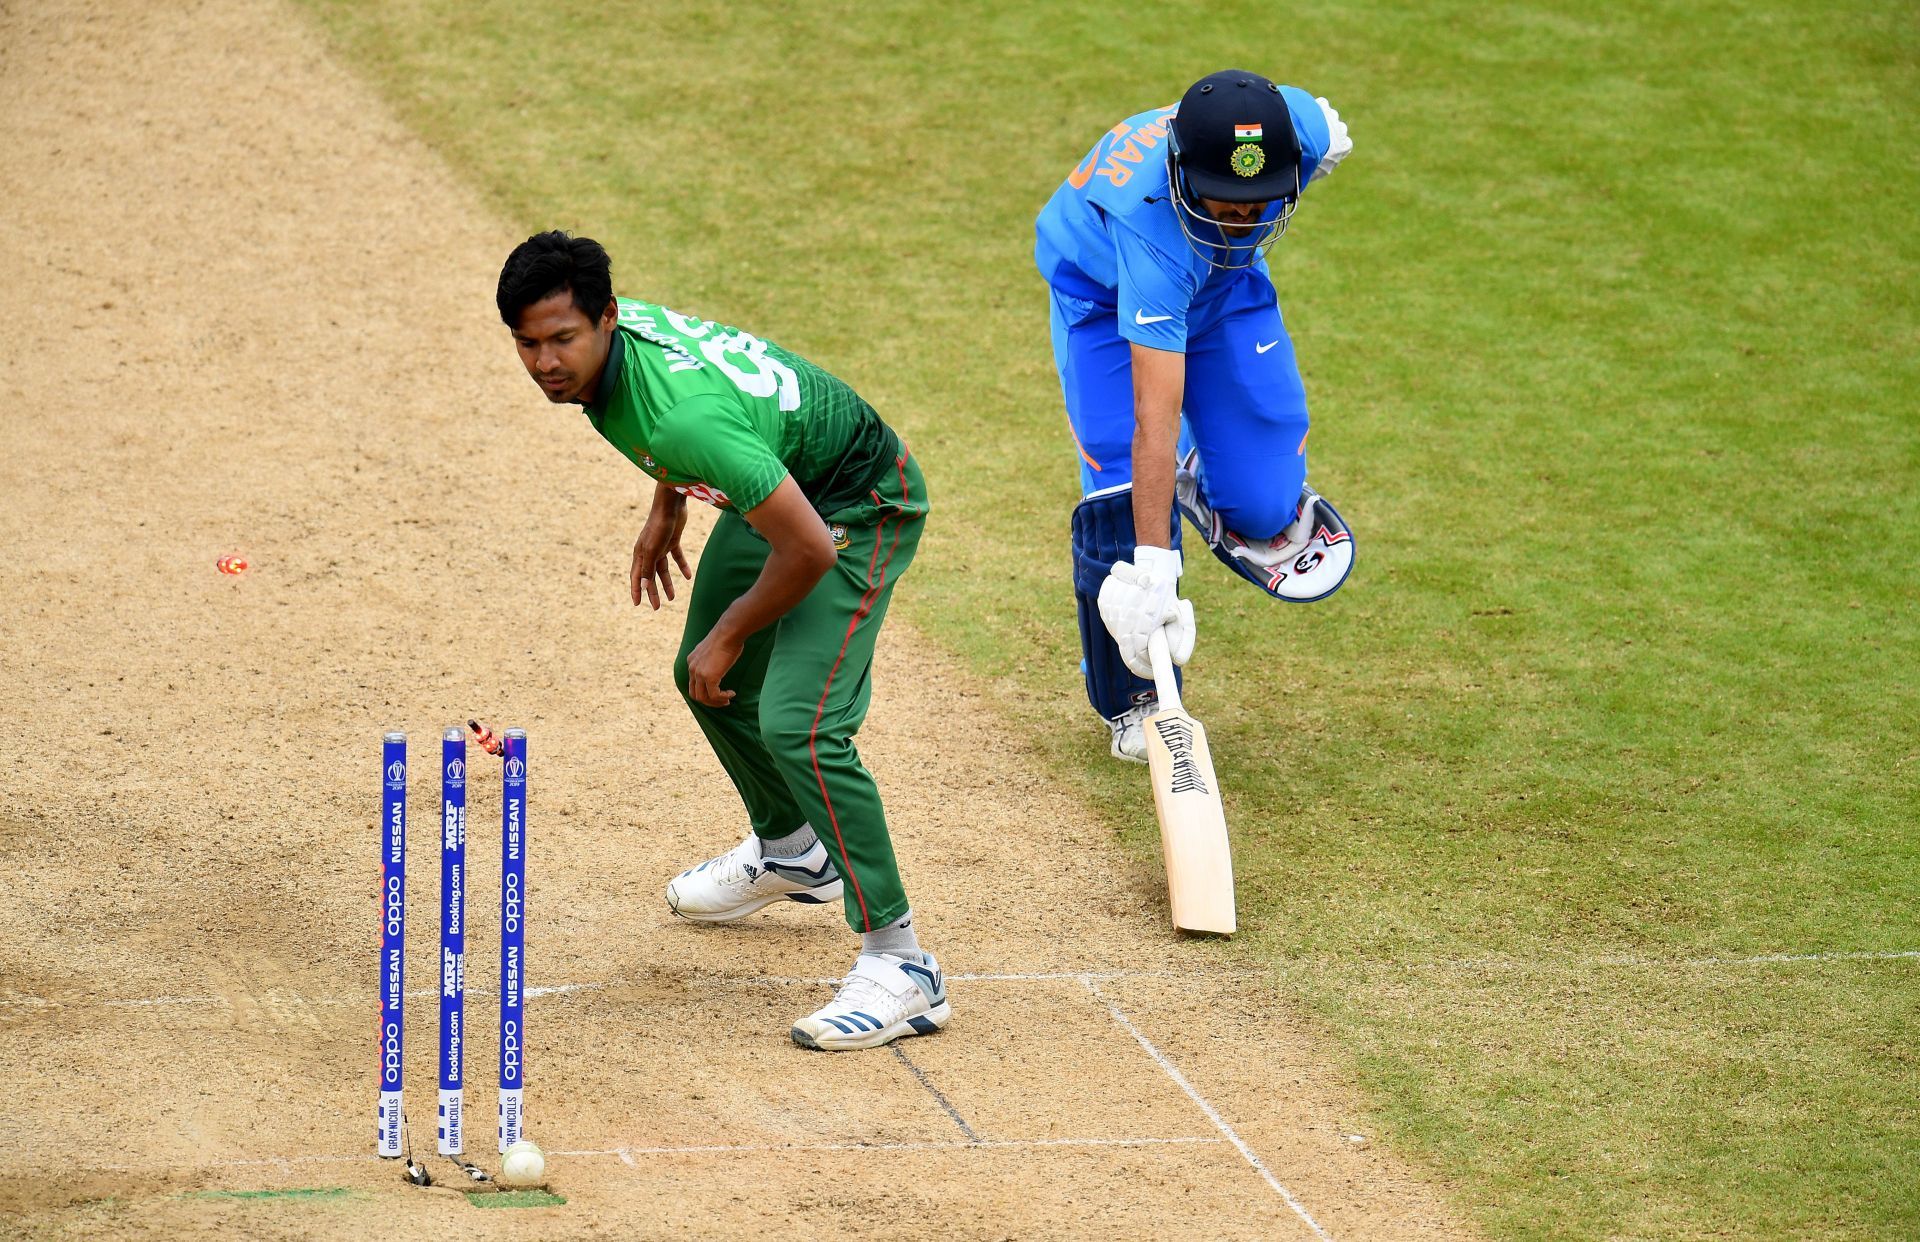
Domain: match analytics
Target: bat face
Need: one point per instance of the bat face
(1193, 824)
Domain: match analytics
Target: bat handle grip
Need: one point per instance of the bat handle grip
(1163, 683)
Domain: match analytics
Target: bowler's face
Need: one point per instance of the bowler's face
(562, 349)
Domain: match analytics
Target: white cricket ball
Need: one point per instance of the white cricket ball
(522, 1164)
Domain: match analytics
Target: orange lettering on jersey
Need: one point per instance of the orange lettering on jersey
(1115, 173)
(1079, 177)
(1130, 153)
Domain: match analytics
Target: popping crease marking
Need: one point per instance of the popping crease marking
(568, 989)
(1070, 976)
(1076, 976)
(274, 998)
(1213, 1114)
(626, 1154)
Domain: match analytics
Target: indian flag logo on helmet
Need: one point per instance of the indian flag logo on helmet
(1247, 133)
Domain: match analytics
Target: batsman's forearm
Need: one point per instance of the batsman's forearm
(1153, 445)
(1159, 383)
(787, 578)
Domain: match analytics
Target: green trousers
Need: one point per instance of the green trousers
(802, 686)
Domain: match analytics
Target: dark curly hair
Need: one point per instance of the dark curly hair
(550, 263)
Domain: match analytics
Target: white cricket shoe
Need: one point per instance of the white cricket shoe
(740, 881)
(1130, 733)
(884, 998)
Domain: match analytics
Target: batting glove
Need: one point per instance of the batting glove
(1139, 597)
(1339, 144)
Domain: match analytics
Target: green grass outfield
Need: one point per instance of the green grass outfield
(1609, 329)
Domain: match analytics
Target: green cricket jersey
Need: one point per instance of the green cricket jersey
(722, 416)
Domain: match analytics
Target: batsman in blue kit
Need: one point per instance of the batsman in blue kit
(1181, 385)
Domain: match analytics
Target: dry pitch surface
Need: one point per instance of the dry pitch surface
(248, 313)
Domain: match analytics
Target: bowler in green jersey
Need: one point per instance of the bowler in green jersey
(821, 508)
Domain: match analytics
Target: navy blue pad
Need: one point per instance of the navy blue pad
(1103, 534)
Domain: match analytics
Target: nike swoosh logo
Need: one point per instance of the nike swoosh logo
(1261, 349)
(1143, 319)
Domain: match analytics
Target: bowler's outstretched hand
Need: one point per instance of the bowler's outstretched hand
(659, 539)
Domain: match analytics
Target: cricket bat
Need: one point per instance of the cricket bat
(1186, 798)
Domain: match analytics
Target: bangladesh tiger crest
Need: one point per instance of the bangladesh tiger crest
(840, 540)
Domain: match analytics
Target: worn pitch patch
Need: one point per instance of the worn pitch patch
(518, 1199)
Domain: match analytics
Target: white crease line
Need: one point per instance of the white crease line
(1073, 976)
(269, 998)
(627, 1154)
(481, 993)
(563, 989)
(551, 989)
(1078, 976)
(272, 997)
(1213, 1114)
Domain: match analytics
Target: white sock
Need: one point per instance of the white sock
(794, 844)
(896, 938)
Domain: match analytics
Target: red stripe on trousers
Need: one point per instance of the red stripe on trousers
(859, 614)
